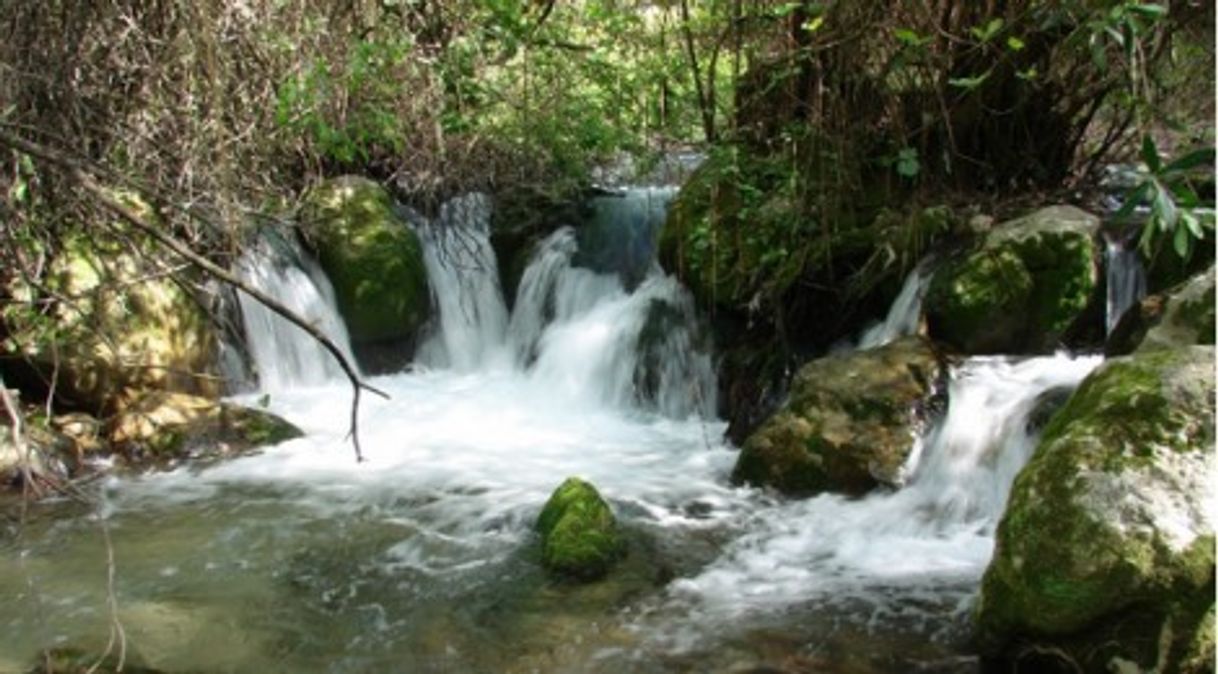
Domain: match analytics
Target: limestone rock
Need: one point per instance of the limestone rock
(848, 425)
(373, 259)
(1105, 554)
(1021, 289)
(114, 326)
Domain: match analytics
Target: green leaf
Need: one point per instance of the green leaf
(1098, 54)
(969, 83)
(1183, 243)
(1027, 75)
(1202, 157)
(909, 38)
(1150, 154)
(1192, 224)
(988, 31)
(1015, 44)
(1152, 12)
(1132, 199)
(1163, 208)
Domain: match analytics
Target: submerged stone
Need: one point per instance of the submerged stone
(579, 534)
(1105, 553)
(848, 425)
(168, 426)
(1021, 289)
(372, 257)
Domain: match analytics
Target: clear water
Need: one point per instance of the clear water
(423, 558)
(1126, 279)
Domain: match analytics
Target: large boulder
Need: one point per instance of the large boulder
(1021, 289)
(849, 423)
(372, 257)
(165, 427)
(579, 534)
(105, 325)
(1105, 555)
(1179, 317)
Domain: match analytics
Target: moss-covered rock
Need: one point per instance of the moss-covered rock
(1105, 553)
(108, 325)
(1181, 316)
(373, 259)
(579, 534)
(848, 425)
(1021, 289)
(163, 427)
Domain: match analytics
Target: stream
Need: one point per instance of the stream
(423, 558)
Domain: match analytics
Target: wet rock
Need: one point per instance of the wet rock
(373, 259)
(1105, 554)
(1021, 289)
(848, 425)
(579, 534)
(1178, 317)
(170, 426)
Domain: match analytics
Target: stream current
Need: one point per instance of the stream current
(423, 559)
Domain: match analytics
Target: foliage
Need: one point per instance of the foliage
(1168, 190)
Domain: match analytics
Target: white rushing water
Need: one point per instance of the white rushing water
(285, 356)
(905, 312)
(895, 554)
(1126, 279)
(422, 558)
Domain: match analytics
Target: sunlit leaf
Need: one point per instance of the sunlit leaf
(969, 83)
(1015, 44)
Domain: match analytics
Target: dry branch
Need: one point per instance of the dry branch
(75, 170)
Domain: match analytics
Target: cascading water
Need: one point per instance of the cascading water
(1126, 279)
(621, 235)
(284, 355)
(464, 277)
(912, 557)
(423, 558)
(905, 312)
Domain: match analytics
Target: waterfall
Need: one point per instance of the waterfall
(574, 329)
(285, 356)
(620, 237)
(1126, 280)
(904, 314)
(464, 277)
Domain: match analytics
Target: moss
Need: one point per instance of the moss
(847, 425)
(373, 259)
(580, 536)
(1062, 267)
(1077, 563)
(976, 303)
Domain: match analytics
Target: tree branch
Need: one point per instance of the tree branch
(75, 171)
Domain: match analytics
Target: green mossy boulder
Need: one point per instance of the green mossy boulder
(373, 259)
(579, 534)
(1021, 289)
(164, 427)
(1105, 554)
(110, 325)
(1181, 316)
(848, 425)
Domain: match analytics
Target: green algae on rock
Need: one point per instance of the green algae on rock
(579, 534)
(373, 259)
(1105, 553)
(848, 425)
(1021, 289)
